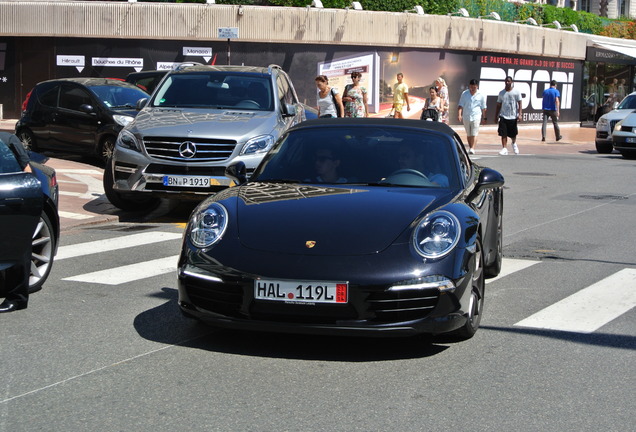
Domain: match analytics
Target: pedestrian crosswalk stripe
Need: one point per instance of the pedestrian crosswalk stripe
(512, 265)
(115, 243)
(591, 308)
(129, 273)
(69, 215)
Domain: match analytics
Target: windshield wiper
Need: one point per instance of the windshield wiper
(389, 184)
(280, 181)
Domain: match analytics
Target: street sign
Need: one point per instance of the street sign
(228, 32)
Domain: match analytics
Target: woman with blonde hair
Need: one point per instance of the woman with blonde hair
(329, 100)
(442, 90)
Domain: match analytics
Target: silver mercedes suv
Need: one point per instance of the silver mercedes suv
(199, 120)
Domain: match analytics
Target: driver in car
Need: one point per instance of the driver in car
(410, 158)
(326, 163)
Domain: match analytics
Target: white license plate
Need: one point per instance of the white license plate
(301, 291)
(190, 181)
(631, 140)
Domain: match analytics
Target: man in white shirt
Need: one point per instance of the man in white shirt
(472, 112)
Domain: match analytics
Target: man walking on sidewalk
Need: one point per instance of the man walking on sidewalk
(551, 105)
(471, 112)
(508, 113)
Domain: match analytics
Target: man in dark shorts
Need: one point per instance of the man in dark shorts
(508, 113)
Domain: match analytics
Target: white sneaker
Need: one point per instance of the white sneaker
(503, 151)
(515, 148)
(471, 151)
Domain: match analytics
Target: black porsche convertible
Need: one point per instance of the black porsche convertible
(367, 226)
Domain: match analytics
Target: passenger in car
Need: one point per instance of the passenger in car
(410, 158)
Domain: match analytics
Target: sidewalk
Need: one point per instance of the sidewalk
(82, 199)
(576, 139)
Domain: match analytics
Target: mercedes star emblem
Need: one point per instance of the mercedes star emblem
(187, 149)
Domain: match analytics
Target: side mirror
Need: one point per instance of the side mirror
(488, 179)
(289, 110)
(237, 172)
(87, 109)
(141, 103)
(615, 105)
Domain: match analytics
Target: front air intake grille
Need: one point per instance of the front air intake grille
(200, 149)
(222, 298)
(403, 305)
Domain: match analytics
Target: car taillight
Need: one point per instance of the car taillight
(26, 100)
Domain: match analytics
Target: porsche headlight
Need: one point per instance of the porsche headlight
(259, 144)
(437, 235)
(602, 123)
(208, 225)
(127, 139)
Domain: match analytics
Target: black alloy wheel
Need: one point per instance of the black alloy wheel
(493, 270)
(604, 147)
(476, 304)
(106, 148)
(43, 245)
(27, 139)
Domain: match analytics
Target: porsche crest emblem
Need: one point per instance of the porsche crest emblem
(310, 243)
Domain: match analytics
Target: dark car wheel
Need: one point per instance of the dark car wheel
(604, 147)
(121, 201)
(628, 154)
(476, 305)
(493, 269)
(43, 245)
(27, 139)
(106, 148)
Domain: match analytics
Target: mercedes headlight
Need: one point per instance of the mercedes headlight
(259, 144)
(208, 226)
(437, 234)
(602, 123)
(122, 120)
(127, 139)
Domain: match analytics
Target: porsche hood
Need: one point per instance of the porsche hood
(304, 219)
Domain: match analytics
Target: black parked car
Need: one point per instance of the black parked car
(78, 115)
(28, 215)
(348, 226)
(146, 80)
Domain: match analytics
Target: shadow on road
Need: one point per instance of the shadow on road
(165, 324)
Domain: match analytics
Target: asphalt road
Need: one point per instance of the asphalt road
(103, 347)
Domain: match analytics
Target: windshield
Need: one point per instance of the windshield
(384, 156)
(215, 90)
(628, 103)
(118, 96)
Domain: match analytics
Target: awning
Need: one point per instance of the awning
(626, 50)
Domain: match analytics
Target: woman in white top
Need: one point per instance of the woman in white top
(329, 100)
(442, 90)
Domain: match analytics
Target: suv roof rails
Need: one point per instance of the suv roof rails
(180, 66)
(273, 66)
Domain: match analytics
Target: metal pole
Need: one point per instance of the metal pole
(228, 51)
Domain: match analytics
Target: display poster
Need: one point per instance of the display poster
(302, 62)
(339, 74)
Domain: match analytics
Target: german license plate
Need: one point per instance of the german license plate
(631, 140)
(301, 291)
(190, 181)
